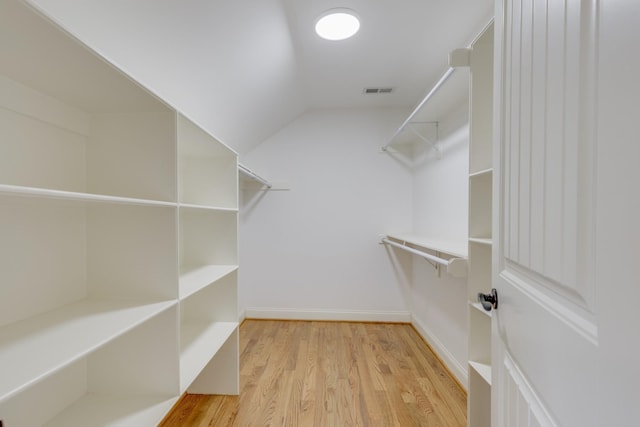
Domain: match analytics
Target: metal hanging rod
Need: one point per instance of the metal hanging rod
(425, 255)
(243, 169)
(426, 99)
(457, 267)
(432, 92)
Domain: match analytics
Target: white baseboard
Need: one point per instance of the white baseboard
(459, 371)
(328, 315)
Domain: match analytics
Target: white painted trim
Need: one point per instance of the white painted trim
(459, 371)
(329, 315)
(241, 316)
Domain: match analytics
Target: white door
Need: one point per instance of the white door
(566, 333)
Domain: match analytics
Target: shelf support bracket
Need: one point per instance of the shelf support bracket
(435, 145)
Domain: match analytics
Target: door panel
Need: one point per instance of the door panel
(618, 212)
(548, 149)
(524, 408)
(545, 331)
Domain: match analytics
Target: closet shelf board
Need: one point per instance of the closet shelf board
(207, 207)
(480, 173)
(452, 247)
(196, 278)
(41, 345)
(483, 369)
(481, 240)
(198, 341)
(122, 411)
(478, 306)
(18, 191)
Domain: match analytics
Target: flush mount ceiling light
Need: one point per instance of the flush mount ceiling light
(337, 24)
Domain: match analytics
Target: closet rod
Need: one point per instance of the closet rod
(426, 99)
(430, 257)
(248, 172)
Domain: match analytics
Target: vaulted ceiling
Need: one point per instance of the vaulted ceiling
(245, 68)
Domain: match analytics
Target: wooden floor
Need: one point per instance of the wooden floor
(328, 374)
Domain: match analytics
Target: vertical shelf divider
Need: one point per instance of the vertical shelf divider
(208, 258)
(480, 63)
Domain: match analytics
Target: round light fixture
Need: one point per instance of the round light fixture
(337, 24)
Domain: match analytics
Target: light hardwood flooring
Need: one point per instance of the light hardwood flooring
(331, 374)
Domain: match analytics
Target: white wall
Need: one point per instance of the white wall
(221, 62)
(312, 252)
(440, 209)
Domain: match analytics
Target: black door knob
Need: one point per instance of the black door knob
(489, 301)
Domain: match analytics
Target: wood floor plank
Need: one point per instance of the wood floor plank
(318, 374)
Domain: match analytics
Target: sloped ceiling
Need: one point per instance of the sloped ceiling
(401, 44)
(243, 69)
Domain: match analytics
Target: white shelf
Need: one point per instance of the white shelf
(252, 180)
(19, 191)
(44, 344)
(198, 342)
(194, 279)
(481, 240)
(479, 307)
(109, 410)
(452, 247)
(484, 172)
(206, 207)
(482, 369)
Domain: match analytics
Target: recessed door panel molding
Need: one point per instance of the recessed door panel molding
(548, 228)
(531, 325)
(565, 316)
(526, 409)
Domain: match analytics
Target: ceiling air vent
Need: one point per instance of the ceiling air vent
(376, 90)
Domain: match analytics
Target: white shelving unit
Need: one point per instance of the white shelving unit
(480, 236)
(118, 255)
(208, 255)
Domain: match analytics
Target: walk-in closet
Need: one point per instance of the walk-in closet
(215, 212)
